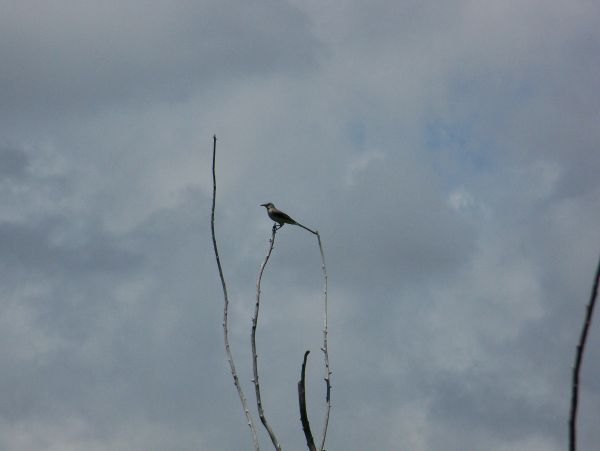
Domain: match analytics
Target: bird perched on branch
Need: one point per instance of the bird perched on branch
(282, 218)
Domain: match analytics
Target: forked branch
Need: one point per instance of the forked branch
(226, 308)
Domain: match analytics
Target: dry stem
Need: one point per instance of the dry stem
(578, 360)
(226, 308)
(325, 351)
(261, 412)
(310, 442)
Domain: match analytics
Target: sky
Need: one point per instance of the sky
(447, 152)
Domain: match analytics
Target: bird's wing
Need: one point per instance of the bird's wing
(283, 217)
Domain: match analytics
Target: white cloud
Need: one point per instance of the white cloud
(359, 164)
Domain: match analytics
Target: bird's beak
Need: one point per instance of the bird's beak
(263, 205)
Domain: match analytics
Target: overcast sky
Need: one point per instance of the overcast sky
(448, 153)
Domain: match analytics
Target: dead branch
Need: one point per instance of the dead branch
(261, 412)
(325, 351)
(226, 308)
(303, 413)
(578, 360)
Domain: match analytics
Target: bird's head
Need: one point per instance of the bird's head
(267, 205)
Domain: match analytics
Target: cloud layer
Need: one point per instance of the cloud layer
(446, 153)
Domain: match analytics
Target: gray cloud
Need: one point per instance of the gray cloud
(13, 163)
(82, 58)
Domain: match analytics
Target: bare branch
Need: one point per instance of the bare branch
(261, 412)
(226, 308)
(310, 442)
(325, 351)
(578, 359)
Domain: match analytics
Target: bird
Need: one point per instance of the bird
(282, 218)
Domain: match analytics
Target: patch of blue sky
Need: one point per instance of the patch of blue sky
(460, 143)
(357, 132)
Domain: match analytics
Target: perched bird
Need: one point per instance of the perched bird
(282, 218)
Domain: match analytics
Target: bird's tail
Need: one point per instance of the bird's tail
(304, 227)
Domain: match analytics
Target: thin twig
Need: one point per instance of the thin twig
(578, 359)
(310, 442)
(226, 308)
(261, 412)
(325, 350)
